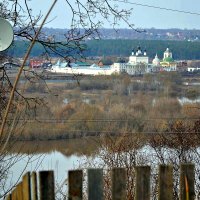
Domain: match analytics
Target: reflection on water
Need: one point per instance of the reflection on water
(182, 101)
(55, 161)
(84, 146)
(65, 101)
(193, 83)
(85, 100)
(185, 100)
(59, 156)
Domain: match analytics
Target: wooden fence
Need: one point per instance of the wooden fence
(31, 189)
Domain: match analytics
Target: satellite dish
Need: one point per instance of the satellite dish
(6, 34)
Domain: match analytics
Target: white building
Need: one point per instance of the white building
(193, 69)
(73, 68)
(137, 64)
(138, 57)
(119, 67)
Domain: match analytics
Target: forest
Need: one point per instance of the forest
(182, 50)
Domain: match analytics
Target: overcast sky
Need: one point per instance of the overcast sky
(142, 17)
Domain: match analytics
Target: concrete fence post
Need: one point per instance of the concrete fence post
(75, 184)
(165, 189)
(95, 184)
(119, 178)
(47, 190)
(143, 183)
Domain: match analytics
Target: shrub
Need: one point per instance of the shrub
(192, 93)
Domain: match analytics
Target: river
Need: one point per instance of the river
(59, 156)
(55, 161)
(64, 155)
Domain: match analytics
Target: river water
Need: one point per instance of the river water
(59, 156)
(61, 163)
(55, 161)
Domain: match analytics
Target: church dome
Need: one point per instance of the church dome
(156, 60)
(168, 59)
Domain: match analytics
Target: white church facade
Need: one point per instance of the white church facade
(139, 64)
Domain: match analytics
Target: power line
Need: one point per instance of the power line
(157, 7)
(122, 133)
(64, 120)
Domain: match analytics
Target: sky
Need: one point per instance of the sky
(141, 17)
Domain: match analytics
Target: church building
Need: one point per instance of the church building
(138, 62)
(168, 63)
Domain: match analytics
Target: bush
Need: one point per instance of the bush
(94, 85)
(192, 93)
(35, 87)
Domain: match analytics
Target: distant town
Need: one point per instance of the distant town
(138, 33)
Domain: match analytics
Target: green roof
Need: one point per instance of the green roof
(168, 59)
(83, 63)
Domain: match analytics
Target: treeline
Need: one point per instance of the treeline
(19, 48)
(181, 49)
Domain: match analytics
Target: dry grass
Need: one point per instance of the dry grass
(97, 111)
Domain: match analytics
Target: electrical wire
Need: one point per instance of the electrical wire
(64, 120)
(158, 7)
(120, 133)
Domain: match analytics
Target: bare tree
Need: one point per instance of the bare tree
(84, 23)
